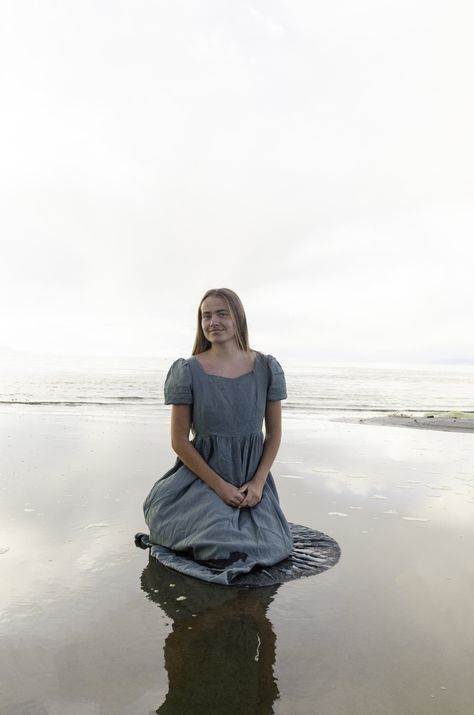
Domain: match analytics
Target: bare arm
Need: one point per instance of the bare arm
(253, 489)
(188, 454)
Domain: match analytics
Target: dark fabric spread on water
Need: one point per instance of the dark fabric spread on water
(313, 552)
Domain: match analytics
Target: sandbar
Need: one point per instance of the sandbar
(450, 421)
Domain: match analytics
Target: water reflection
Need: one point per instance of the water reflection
(221, 651)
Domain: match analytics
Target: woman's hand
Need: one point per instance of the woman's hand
(229, 494)
(252, 492)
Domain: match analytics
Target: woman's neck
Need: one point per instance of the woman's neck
(226, 351)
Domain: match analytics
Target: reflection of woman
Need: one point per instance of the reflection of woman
(216, 513)
(220, 653)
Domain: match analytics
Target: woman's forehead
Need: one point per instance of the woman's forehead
(213, 302)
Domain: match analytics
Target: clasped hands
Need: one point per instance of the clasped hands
(248, 495)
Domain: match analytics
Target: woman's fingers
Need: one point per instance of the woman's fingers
(236, 499)
(253, 494)
(250, 501)
(244, 496)
(229, 494)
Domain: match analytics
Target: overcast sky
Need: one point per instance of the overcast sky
(316, 157)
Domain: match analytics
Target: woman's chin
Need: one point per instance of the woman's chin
(216, 337)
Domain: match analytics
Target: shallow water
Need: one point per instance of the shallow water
(89, 626)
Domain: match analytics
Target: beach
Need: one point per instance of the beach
(89, 626)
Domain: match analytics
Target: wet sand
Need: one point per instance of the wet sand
(88, 626)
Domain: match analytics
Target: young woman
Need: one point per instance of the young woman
(216, 513)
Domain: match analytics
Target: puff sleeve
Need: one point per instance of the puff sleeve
(178, 384)
(276, 389)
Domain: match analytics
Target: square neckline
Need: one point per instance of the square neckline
(223, 377)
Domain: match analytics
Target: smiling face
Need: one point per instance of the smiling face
(216, 320)
(220, 317)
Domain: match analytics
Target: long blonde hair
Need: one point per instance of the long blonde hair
(237, 312)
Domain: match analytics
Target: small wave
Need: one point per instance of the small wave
(74, 403)
(128, 397)
(311, 407)
(48, 402)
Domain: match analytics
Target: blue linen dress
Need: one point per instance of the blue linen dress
(192, 529)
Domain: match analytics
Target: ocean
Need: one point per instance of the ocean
(132, 387)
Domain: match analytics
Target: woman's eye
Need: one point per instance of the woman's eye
(220, 314)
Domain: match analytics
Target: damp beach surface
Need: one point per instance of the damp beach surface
(89, 626)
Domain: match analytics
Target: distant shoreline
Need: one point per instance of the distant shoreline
(447, 421)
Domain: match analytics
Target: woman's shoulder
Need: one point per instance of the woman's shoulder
(180, 362)
(178, 383)
(270, 361)
(275, 376)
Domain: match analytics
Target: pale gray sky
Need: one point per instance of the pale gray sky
(316, 157)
